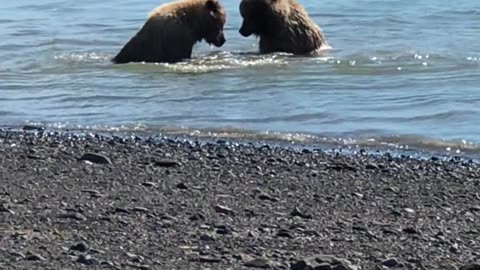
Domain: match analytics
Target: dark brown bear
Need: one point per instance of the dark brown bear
(172, 29)
(282, 25)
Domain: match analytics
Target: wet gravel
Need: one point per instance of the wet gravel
(93, 202)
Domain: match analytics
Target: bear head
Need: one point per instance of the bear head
(213, 18)
(258, 17)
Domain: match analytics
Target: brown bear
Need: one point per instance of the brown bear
(172, 29)
(282, 25)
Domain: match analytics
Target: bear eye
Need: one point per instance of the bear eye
(212, 13)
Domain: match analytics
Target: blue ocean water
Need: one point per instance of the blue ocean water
(405, 74)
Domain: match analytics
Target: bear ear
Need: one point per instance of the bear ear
(212, 5)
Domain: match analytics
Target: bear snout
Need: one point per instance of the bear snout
(220, 40)
(244, 31)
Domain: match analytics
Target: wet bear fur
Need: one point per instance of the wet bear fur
(172, 30)
(282, 25)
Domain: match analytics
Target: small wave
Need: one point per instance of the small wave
(219, 61)
(401, 62)
(413, 144)
(88, 57)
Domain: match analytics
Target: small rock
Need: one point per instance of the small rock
(265, 197)
(209, 259)
(4, 208)
(396, 213)
(87, 260)
(182, 186)
(372, 166)
(121, 210)
(284, 233)
(93, 193)
(96, 251)
(454, 248)
(243, 257)
(108, 263)
(32, 127)
(409, 210)
(166, 163)
(81, 246)
(359, 195)
(222, 229)
(224, 210)
(470, 267)
(391, 262)
(134, 257)
(297, 213)
(208, 237)
(197, 217)
(75, 216)
(17, 254)
(95, 158)
(475, 208)
(149, 184)
(34, 257)
(258, 263)
(410, 230)
(140, 209)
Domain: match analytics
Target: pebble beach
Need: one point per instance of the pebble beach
(112, 202)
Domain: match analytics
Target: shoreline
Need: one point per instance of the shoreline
(131, 203)
(309, 142)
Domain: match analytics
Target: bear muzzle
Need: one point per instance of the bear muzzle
(220, 40)
(244, 31)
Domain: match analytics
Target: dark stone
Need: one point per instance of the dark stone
(410, 230)
(81, 246)
(258, 263)
(297, 213)
(266, 197)
(208, 237)
(182, 186)
(34, 257)
(470, 267)
(149, 184)
(140, 209)
(391, 262)
(95, 158)
(166, 163)
(31, 128)
(224, 210)
(208, 259)
(284, 233)
(475, 208)
(197, 217)
(372, 166)
(17, 254)
(93, 193)
(87, 260)
(121, 210)
(222, 229)
(6, 209)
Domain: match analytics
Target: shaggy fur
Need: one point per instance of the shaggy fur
(282, 25)
(172, 29)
